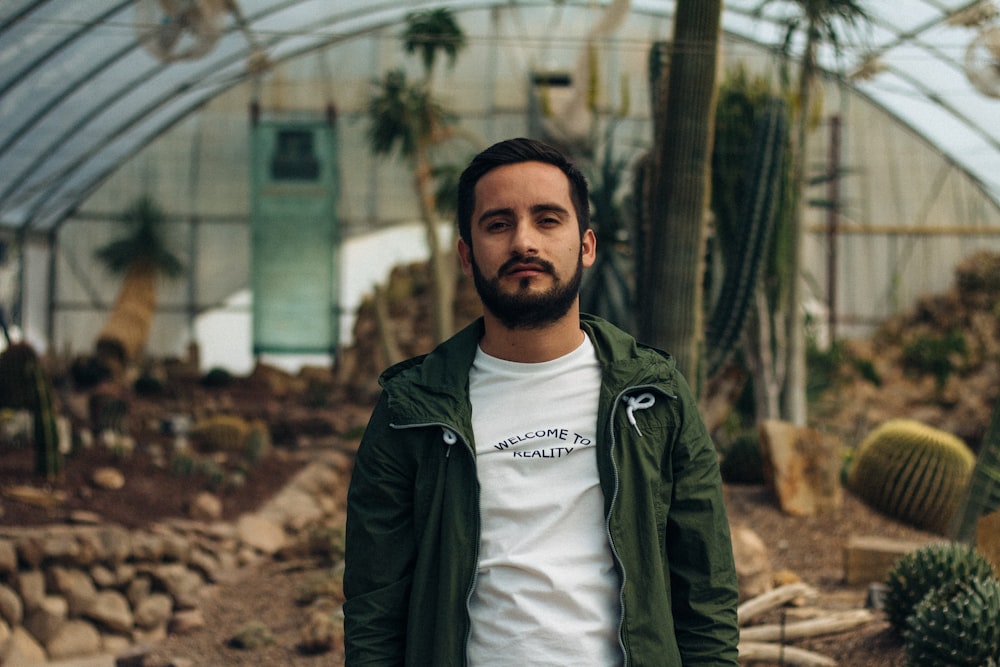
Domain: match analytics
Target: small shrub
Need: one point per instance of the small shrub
(217, 378)
(935, 355)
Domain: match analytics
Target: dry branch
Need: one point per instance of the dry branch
(774, 598)
(826, 625)
(786, 655)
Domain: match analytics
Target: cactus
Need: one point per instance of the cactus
(983, 494)
(223, 433)
(912, 472)
(955, 625)
(257, 443)
(26, 385)
(921, 571)
(746, 255)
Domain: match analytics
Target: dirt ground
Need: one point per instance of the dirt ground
(810, 547)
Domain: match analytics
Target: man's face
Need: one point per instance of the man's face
(527, 257)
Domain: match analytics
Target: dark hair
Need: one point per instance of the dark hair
(513, 151)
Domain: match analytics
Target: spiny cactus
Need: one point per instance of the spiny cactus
(921, 571)
(956, 625)
(222, 433)
(912, 472)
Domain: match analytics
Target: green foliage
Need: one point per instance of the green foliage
(217, 378)
(912, 472)
(430, 31)
(143, 242)
(252, 635)
(26, 385)
(923, 570)
(829, 368)
(939, 356)
(956, 625)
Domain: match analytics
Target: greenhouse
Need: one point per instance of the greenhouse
(233, 295)
(105, 101)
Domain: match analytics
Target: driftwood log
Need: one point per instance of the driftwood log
(766, 642)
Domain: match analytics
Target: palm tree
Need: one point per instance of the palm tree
(141, 255)
(821, 21)
(406, 118)
(431, 32)
(670, 315)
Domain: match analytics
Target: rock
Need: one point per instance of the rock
(802, 468)
(11, 607)
(108, 478)
(22, 650)
(74, 639)
(85, 518)
(103, 577)
(154, 611)
(8, 556)
(147, 547)
(138, 590)
(45, 620)
(183, 584)
(111, 610)
(753, 565)
(323, 632)
(31, 587)
(76, 586)
(117, 645)
(260, 533)
(205, 507)
(187, 620)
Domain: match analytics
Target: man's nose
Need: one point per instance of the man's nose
(524, 241)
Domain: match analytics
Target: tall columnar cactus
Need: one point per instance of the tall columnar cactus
(956, 625)
(912, 472)
(921, 571)
(748, 252)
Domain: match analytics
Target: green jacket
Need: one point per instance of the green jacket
(413, 513)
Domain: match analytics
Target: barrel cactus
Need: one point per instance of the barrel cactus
(912, 472)
(921, 571)
(955, 625)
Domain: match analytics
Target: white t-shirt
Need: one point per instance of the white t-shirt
(546, 591)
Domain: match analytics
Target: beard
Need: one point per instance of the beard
(523, 309)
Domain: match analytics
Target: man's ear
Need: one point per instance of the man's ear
(465, 255)
(588, 248)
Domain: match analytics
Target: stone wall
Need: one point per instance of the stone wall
(70, 591)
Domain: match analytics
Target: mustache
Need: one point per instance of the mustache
(521, 261)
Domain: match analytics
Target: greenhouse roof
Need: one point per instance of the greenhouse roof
(86, 85)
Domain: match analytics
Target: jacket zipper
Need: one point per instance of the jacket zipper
(614, 499)
(450, 437)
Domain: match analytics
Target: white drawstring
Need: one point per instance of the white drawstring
(640, 402)
(449, 438)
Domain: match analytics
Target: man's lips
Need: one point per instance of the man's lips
(521, 268)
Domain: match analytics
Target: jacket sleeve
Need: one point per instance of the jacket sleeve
(379, 548)
(703, 581)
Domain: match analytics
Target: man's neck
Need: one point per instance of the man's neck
(532, 345)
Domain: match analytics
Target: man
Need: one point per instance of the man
(539, 489)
